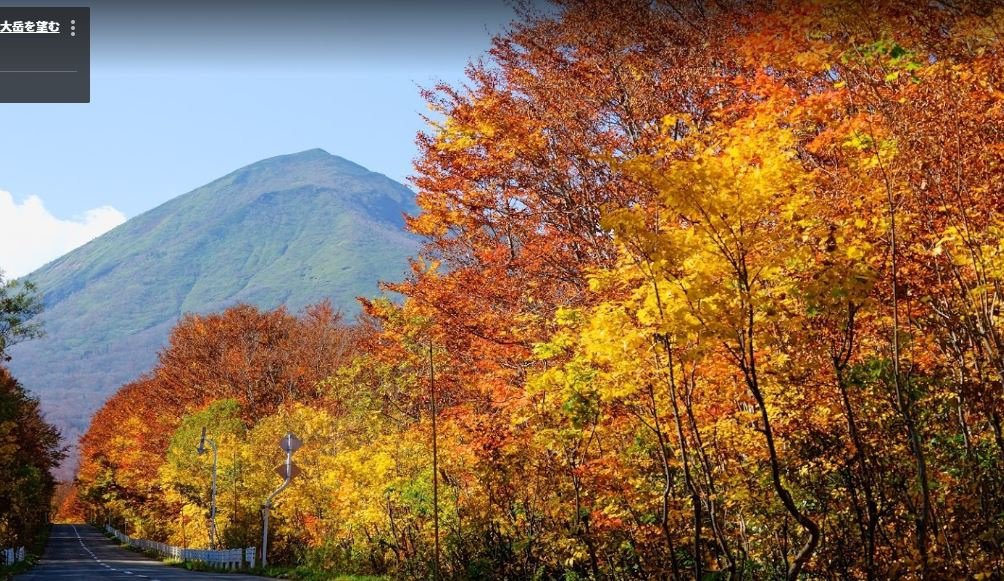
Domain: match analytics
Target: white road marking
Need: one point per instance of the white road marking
(91, 553)
(102, 563)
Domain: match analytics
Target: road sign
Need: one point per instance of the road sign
(281, 471)
(290, 443)
(202, 443)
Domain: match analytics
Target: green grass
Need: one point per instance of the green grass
(303, 573)
(171, 561)
(317, 576)
(297, 573)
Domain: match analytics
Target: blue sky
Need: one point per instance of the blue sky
(177, 101)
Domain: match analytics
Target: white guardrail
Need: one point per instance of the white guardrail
(225, 559)
(11, 556)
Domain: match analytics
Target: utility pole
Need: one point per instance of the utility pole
(435, 460)
(212, 507)
(289, 443)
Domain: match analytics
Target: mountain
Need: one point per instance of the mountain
(290, 230)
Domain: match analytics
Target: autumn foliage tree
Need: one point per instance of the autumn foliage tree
(710, 290)
(29, 450)
(754, 188)
(259, 360)
(30, 447)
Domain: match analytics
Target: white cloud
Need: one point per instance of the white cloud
(30, 236)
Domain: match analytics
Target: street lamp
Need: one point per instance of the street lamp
(212, 506)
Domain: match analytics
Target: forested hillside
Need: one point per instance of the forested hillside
(290, 230)
(708, 290)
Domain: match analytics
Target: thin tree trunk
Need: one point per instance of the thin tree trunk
(667, 488)
(904, 400)
(435, 463)
(695, 495)
(747, 362)
(860, 456)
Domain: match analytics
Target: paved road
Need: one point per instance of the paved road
(82, 552)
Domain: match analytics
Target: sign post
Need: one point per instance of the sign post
(289, 444)
(201, 449)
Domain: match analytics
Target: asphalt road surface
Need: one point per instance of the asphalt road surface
(83, 552)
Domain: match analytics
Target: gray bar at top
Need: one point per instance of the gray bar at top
(45, 55)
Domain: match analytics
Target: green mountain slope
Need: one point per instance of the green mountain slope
(289, 230)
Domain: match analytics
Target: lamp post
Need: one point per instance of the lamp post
(212, 506)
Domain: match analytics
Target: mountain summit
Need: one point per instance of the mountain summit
(290, 230)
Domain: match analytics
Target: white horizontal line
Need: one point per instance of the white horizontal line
(32, 32)
(39, 71)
